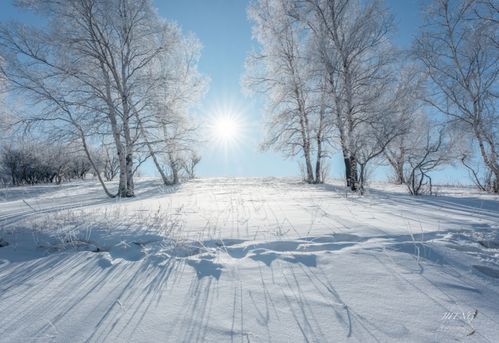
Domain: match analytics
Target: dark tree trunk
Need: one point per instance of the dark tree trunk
(318, 171)
(400, 179)
(353, 173)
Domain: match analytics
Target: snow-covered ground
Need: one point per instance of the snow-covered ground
(248, 260)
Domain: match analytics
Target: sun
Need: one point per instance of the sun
(225, 129)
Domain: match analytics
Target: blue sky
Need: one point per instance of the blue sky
(225, 32)
(223, 29)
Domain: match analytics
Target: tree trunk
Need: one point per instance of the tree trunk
(350, 170)
(122, 186)
(318, 137)
(489, 162)
(308, 163)
(304, 126)
(94, 166)
(495, 183)
(353, 173)
(129, 147)
(153, 154)
(399, 174)
(129, 177)
(306, 150)
(346, 160)
(362, 178)
(128, 141)
(173, 165)
(318, 170)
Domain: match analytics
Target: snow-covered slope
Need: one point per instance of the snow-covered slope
(247, 260)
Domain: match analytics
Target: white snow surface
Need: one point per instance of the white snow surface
(248, 260)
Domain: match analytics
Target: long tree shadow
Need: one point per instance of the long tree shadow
(116, 295)
(472, 205)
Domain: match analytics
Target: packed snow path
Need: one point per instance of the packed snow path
(247, 260)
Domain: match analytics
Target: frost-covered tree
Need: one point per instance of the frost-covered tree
(175, 88)
(459, 50)
(430, 148)
(281, 70)
(408, 94)
(189, 164)
(382, 134)
(6, 119)
(87, 71)
(109, 163)
(372, 143)
(353, 51)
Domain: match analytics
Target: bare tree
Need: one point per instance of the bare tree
(458, 47)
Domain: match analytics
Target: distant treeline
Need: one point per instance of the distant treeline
(33, 164)
(42, 162)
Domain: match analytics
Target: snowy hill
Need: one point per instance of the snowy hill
(247, 260)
